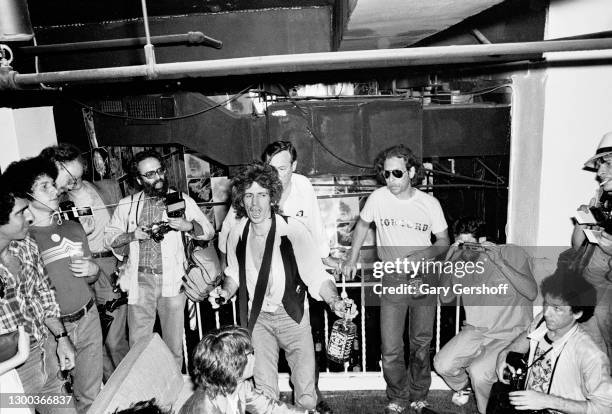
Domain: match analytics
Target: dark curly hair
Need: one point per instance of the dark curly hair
(568, 285)
(276, 147)
(220, 358)
(398, 151)
(21, 175)
(264, 175)
(468, 225)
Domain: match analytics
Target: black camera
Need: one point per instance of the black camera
(157, 230)
(603, 217)
(517, 380)
(175, 204)
(476, 247)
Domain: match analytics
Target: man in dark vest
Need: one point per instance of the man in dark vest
(273, 260)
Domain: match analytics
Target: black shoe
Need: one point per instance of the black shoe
(324, 408)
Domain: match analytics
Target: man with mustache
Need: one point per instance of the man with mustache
(273, 260)
(154, 268)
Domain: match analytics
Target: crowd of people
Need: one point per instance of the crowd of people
(127, 256)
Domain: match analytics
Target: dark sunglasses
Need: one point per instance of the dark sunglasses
(396, 173)
(151, 174)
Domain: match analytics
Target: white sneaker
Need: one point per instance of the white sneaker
(461, 398)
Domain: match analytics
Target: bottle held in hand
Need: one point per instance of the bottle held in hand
(341, 339)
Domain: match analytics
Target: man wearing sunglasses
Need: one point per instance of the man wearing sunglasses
(102, 200)
(155, 265)
(405, 219)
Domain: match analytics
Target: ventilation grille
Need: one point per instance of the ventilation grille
(151, 108)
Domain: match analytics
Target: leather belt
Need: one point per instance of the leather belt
(75, 316)
(100, 255)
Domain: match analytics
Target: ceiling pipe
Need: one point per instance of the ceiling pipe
(328, 61)
(191, 38)
(149, 51)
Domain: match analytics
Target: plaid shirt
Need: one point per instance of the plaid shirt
(29, 298)
(150, 250)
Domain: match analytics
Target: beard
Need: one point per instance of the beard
(152, 191)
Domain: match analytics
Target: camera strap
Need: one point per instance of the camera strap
(552, 374)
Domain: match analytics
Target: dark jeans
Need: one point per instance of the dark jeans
(412, 383)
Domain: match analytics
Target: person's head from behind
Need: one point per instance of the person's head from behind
(568, 299)
(34, 179)
(222, 359)
(282, 156)
(256, 192)
(398, 168)
(101, 163)
(148, 171)
(70, 166)
(15, 216)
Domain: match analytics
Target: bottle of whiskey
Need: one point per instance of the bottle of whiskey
(341, 339)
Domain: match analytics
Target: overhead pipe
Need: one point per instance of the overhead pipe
(192, 38)
(327, 61)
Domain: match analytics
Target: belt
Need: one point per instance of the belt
(75, 316)
(100, 255)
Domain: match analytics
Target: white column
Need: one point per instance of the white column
(25, 132)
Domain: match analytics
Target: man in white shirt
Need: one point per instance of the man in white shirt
(405, 219)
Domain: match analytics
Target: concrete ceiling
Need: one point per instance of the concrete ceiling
(381, 24)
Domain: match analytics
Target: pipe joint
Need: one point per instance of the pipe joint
(7, 79)
(152, 72)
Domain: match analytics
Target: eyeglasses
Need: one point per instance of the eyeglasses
(151, 174)
(396, 173)
(74, 179)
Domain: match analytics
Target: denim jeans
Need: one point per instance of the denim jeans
(116, 345)
(171, 311)
(86, 336)
(412, 383)
(40, 375)
(470, 351)
(274, 331)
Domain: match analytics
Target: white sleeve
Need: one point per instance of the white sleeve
(368, 212)
(438, 222)
(232, 260)
(316, 223)
(229, 223)
(193, 212)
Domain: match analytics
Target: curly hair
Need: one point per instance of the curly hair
(276, 147)
(21, 175)
(569, 286)
(398, 151)
(220, 358)
(263, 174)
(468, 225)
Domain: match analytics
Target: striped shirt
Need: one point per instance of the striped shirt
(150, 250)
(29, 298)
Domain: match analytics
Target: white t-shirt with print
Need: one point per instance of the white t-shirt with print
(403, 226)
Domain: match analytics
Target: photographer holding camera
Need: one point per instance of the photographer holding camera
(566, 371)
(594, 255)
(146, 227)
(491, 321)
